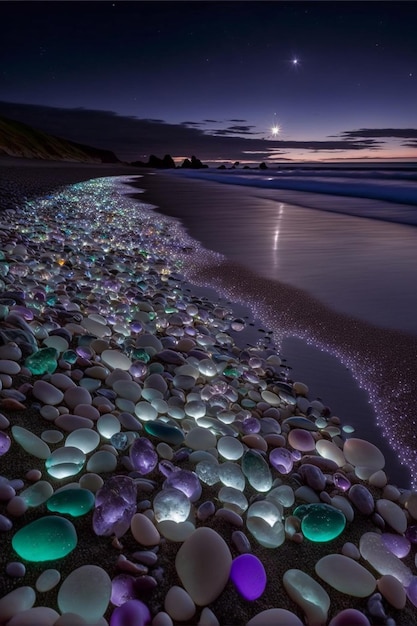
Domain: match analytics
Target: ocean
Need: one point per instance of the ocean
(327, 257)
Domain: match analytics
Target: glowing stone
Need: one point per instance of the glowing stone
(264, 522)
(233, 499)
(308, 594)
(131, 612)
(374, 551)
(329, 450)
(341, 481)
(203, 565)
(346, 575)
(65, 462)
(115, 506)
(45, 539)
(74, 502)
(87, 590)
(231, 475)
(320, 522)
(282, 495)
(171, 504)
(363, 453)
(165, 432)
(184, 481)
(143, 456)
(230, 448)
(248, 575)
(208, 471)
(282, 460)
(108, 425)
(256, 470)
(43, 361)
(84, 439)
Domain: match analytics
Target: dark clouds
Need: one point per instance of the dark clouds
(132, 138)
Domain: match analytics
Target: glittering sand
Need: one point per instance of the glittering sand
(386, 374)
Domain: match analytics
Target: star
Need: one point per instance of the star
(275, 130)
(294, 61)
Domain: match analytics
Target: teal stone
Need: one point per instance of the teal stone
(256, 470)
(44, 361)
(70, 356)
(141, 355)
(46, 539)
(165, 432)
(231, 372)
(320, 522)
(74, 502)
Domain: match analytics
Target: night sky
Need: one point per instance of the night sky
(212, 79)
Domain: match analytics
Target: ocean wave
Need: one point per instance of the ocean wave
(373, 194)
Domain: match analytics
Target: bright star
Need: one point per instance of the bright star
(275, 130)
(295, 61)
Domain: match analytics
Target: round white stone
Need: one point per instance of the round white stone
(90, 585)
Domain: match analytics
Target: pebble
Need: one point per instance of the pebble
(308, 594)
(140, 376)
(91, 585)
(179, 605)
(203, 564)
(345, 575)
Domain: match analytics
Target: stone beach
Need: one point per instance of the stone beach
(155, 468)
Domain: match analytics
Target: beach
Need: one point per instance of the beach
(148, 265)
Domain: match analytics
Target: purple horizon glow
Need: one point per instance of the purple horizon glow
(214, 78)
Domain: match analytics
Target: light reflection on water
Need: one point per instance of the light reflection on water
(359, 267)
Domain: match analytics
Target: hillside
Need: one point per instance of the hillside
(21, 140)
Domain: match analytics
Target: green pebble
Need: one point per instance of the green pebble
(141, 355)
(165, 432)
(231, 372)
(45, 539)
(74, 502)
(70, 356)
(44, 361)
(320, 522)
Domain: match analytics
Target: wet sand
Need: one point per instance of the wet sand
(382, 361)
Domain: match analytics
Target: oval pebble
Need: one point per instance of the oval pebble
(47, 580)
(179, 604)
(203, 565)
(47, 393)
(91, 586)
(16, 601)
(144, 531)
(346, 575)
(248, 575)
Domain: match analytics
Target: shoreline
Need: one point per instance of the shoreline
(291, 312)
(229, 608)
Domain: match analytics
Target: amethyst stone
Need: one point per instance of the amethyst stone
(131, 613)
(115, 506)
(185, 481)
(143, 456)
(248, 576)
